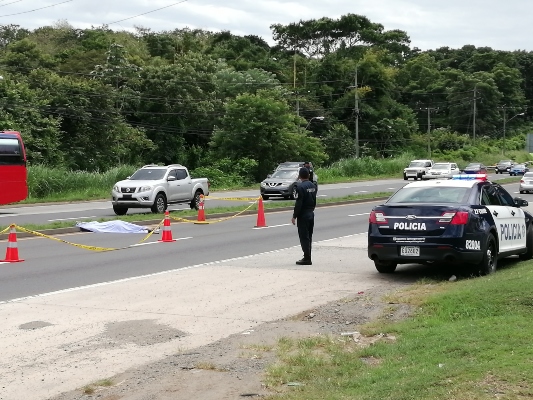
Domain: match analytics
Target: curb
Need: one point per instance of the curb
(74, 229)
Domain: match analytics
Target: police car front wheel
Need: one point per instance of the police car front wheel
(528, 255)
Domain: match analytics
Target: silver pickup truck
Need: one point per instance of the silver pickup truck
(156, 187)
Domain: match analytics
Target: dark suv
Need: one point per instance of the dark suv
(504, 166)
(297, 165)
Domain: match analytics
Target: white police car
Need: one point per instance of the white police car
(466, 220)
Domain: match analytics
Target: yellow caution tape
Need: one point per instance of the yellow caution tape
(214, 221)
(233, 198)
(5, 230)
(152, 232)
(83, 246)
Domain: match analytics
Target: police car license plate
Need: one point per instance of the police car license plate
(413, 251)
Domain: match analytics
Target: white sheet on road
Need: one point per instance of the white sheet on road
(115, 226)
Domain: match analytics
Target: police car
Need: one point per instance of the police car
(465, 220)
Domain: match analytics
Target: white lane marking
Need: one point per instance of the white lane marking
(358, 215)
(322, 195)
(77, 288)
(272, 226)
(391, 188)
(144, 244)
(362, 191)
(71, 219)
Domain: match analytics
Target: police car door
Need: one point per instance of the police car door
(500, 213)
(515, 232)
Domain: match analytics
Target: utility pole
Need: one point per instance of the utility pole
(429, 110)
(505, 121)
(475, 112)
(356, 115)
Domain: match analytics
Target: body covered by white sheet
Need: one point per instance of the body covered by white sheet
(115, 226)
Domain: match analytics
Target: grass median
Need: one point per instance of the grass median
(229, 210)
(468, 340)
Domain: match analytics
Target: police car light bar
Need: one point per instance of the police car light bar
(470, 177)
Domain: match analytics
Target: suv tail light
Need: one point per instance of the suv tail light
(377, 217)
(455, 217)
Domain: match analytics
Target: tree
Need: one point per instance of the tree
(261, 127)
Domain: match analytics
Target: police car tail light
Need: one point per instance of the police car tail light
(454, 218)
(377, 218)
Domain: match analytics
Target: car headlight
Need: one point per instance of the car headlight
(116, 188)
(263, 184)
(145, 189)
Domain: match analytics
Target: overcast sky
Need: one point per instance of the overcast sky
(502, 25)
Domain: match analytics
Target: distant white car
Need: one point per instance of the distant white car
(442, 171)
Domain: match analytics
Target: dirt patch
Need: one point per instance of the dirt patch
(233, 368)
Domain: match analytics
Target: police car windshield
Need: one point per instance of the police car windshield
(152, 174)
(417, 164)
(441, 194)
(285, 174)
(441, 166)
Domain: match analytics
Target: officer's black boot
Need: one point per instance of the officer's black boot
(304, 261)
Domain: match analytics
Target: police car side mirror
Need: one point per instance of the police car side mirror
(518, 202)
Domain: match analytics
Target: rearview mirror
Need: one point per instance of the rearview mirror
(519, 202)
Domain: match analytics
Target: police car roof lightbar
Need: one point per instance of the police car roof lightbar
(470, 177)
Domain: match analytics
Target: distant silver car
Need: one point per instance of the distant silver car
(526, 183)
(442, 171)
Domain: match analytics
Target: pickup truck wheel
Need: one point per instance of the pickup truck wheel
(160, 204)
(405, 177)
(385, 267)
(195, 202)
(120, 210)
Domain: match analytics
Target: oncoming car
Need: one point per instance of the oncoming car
(467, 220)
(442, 171)
(282, 183)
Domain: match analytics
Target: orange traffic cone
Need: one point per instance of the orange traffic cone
(167, 232)
(201, 211)
(261, 223)
(12, 252)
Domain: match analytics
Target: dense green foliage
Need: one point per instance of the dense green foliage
(95, 99)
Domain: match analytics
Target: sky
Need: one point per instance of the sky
(502, 25)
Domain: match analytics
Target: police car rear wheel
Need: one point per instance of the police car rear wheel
(385, 267)
(528, 255)
(490, 261)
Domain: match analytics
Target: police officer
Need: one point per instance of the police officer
(304, 215)
(307, 165)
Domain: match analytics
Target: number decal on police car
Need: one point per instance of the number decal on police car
(473, 245)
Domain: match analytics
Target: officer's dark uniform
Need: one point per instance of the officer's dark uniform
(305, 217)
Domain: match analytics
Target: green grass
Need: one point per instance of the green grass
(469, 340)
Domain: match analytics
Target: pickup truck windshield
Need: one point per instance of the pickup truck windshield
(417, 164)
(152, 174)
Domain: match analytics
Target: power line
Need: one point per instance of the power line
(36, 9)
(148, 12)
(13, 2)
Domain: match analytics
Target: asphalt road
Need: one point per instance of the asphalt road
(87, 211)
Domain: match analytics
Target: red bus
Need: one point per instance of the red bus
(13, 174)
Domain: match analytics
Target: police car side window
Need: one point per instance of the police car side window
(505, 197)
(489, 197)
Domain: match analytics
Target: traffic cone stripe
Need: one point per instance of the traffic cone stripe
(12, 252)
(167, 231)
(201, 210)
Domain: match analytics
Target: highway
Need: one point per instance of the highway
(93, 210)
(51, 266)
